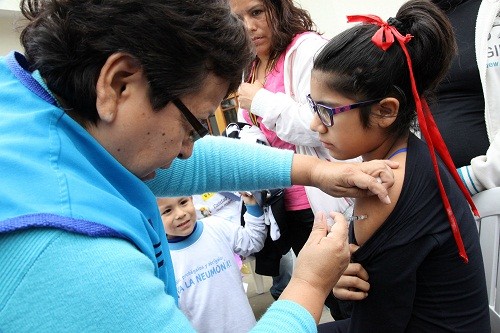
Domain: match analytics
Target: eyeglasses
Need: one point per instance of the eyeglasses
(326, 113)
(199, 128)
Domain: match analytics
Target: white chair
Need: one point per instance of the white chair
(488, 204)
(258, 279)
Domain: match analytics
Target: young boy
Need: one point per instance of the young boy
(208, 278)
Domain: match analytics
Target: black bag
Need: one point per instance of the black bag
(267, 197)
(274, 200)
(267, 259)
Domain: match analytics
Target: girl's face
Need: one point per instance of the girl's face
(253, 14)
(347, 138)
(178, 215)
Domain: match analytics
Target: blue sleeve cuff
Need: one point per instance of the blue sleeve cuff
(286, 316)
(466, 177)
(254, 210)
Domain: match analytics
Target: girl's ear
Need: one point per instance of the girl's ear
(385, 111)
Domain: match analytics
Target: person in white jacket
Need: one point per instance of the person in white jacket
(467, 110)
(273, 97)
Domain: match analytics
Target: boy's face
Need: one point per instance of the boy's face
(178, 215)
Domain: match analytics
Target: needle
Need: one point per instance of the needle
(356, 218)
(349, 219)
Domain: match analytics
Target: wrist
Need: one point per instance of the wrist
(254, 210)
(303, 169)
(305, 294)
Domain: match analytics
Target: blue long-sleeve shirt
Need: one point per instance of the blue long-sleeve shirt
(82, 246)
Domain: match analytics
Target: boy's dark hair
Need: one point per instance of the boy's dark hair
(362, 71)
(178, 43)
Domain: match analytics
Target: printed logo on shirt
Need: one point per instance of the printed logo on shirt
(494, 45)
(207, 196)
(202, 273)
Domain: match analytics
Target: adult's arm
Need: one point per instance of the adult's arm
(288, 114)
(224, 164)
(319, 265)
(56, 281)
(484, 171)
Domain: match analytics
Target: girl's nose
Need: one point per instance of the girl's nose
(317, 126)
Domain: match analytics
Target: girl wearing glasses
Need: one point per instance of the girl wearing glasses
(422, 252)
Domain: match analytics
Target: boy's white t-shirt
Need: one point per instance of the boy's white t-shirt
(208, 278)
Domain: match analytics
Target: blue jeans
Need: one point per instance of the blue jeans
(281, 281)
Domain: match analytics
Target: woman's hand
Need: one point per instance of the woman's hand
(343, 179)
(353, 284)
(246, 93)
(319, 265)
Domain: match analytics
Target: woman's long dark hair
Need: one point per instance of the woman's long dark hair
(285, 20)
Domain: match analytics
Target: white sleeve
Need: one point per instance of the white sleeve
(288, 114)
(484, 171)
(244, 240)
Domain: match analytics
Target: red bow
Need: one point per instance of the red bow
(384, 38)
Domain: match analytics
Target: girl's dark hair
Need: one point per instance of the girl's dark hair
(177, 42)
(362, 71)
(285, 20)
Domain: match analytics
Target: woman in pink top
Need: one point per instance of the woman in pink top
(273, 97)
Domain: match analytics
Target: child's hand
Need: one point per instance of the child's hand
(248, 198)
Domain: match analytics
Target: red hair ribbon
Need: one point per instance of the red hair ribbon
(384, 38)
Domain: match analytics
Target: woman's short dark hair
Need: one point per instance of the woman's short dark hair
(178, 43)
(361, 70)
(285, 19)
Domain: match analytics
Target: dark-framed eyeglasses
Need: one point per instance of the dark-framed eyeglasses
(199, 129)
(326, 113)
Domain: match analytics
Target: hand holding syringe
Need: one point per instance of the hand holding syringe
(349, 219)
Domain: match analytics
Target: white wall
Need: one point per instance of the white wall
(330, 15)
(9, 35)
